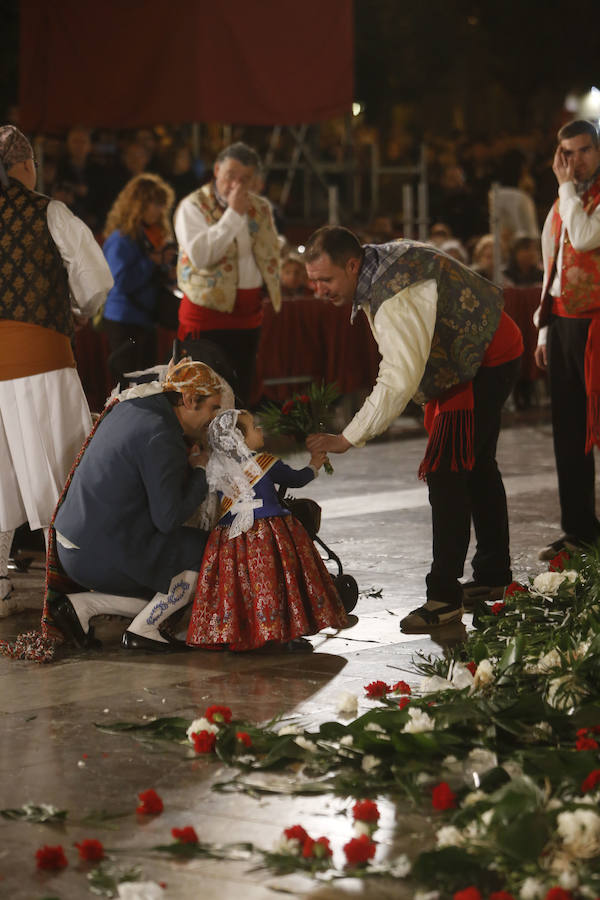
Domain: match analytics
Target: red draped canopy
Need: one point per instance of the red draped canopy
(128, 63)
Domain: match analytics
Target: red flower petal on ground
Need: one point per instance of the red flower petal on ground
(471, 666)
(403, 701)
(185, 835)
(585, 743)
(204, 741)
(244, 738)
(442, 797)
(589, 783)
(558, 893)
(498, 607)
(470, 893)
(296, 832)
(91, 850)
(401, 687)
(218, 715)
(376, 689)
(559, 562)
(501, 895)
(50, 858)
(359, 850)
(365, 811)
(513, 588)
(151, 804)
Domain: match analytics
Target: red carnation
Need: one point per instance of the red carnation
(185, 835)
(513, 588)
(471, 666)
(401, 687)
(204, 741)
(470, 893)
(359, 850)
(151, 804)
(501, 895)
(307, 848)
(244, 738)
(403, 701)
(586, 743)
(218, 715)
(365, 811)
(287, 407)
(91, 850)
(50, 858)
(296, 832)
(498, 607)
(559, 562)
(589, 783)
(322, 848)
(442, 797)
(376, 689)
(557, 893)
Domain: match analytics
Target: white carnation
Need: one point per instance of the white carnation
(434, 683)
(563, 692)
(362, 828)
(571, 575)
(461, 676)
(346, 741)
(401, 867)
(199, 725)
(550, 660)
(449, 836)
(369, 763)
(532, 889)
(373, 726)
(484, 674)
(418, 721)
(291, 846)
(347, 704)
(306, 744)
(580, 831)
(568, 879)
(548, 583)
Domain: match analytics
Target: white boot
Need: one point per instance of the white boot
(161, 607)
(88, 604)
(8, 604)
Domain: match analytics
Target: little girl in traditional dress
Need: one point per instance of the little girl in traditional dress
(262, 580)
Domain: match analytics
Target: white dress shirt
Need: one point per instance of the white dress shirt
(403, 328)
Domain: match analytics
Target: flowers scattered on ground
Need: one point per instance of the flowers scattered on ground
(151, 804)
(185, 835)
(91, 850)
(442, 797)
(50, 858)
(359, 850)
(377, 689)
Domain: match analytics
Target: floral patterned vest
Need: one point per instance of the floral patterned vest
(215, 286)
(580, 275)
(34, 285)
(468, 310)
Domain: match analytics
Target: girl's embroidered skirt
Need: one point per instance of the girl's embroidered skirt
(268, 584)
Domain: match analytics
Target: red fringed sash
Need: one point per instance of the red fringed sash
(450, 423)
(592, 385)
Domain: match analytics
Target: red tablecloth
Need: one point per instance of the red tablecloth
(308, 338)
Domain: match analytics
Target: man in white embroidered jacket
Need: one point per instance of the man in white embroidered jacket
(569, 319)
(228, 260)
(51, 269)
(444, 340)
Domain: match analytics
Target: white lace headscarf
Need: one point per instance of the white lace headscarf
(230, 468)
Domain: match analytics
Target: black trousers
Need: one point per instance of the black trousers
(457, 498)
(131, 347)
(241, 347)
(575, 468)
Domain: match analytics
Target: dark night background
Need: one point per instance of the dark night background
(459, 64)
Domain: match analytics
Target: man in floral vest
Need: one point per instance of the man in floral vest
(228, 260)
(569, 320)
(446, 342)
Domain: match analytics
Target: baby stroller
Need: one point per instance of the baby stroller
(307, 511)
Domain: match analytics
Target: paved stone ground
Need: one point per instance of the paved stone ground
(376, 518)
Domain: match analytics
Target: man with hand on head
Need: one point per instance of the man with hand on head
(228, 259)
(569, 339)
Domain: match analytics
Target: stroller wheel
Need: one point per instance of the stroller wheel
(347, 588)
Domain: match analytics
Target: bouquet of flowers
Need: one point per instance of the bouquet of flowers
(302, 414)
